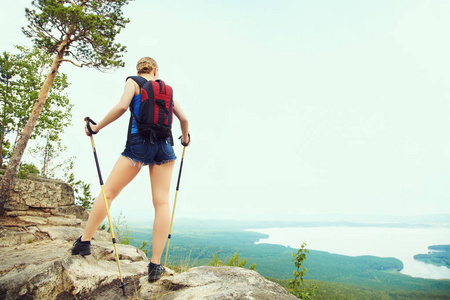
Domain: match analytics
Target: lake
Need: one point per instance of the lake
(401, 243)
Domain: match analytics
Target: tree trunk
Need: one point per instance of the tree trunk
(8, 178)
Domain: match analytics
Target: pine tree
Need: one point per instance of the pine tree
(81, 32)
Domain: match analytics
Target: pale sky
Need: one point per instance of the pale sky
(296, 107)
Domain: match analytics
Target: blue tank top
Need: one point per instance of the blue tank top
(136, 101)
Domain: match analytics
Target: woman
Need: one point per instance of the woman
(139, 151)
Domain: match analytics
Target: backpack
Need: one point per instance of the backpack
(155, 111)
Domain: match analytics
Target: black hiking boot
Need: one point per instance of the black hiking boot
(155, 271)
(82, 248)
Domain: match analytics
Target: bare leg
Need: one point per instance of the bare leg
(160, 176)
(122, 173)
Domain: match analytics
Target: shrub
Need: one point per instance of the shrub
(296, 286)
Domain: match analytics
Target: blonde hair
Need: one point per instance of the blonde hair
(146, 65)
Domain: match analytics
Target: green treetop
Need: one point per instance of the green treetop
(78, 31)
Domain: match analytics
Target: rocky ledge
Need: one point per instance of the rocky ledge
(36, 262)
(47, 270)
(214, 283)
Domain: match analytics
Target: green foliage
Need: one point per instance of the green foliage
(296, 285)
(7, 91)
(234, 261)
(78, 31)
(6, 151)
(333, 290)
(216, 262)
(121, 228)
(26, 169)
(48, 155)
(142, 247)
(359, 277)
(252, 267)
(90, 26)
(81, 189)
(22, 75)
(443, 248)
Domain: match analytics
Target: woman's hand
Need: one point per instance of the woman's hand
(93, 128)
(185, 140)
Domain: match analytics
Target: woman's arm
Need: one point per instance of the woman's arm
(119, 109)
(184, 123)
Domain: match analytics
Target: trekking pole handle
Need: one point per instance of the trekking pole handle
(181, 139)
(88, 125)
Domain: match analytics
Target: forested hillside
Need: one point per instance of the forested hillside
(438, 255)
(354, 277)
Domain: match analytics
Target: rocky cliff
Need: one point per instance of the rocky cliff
(36, 235)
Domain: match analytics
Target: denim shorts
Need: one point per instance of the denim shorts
(142, 151)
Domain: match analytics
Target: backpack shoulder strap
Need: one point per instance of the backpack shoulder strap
(162, 86)
(138, 79)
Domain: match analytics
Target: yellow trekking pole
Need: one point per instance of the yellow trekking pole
(88, 121)
(175, 201)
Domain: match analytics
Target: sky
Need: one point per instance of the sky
(297, 109)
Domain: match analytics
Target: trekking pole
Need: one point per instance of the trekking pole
(174, 203)
(88, 120)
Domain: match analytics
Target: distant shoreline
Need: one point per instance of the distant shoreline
(438, 255)
(403, 243)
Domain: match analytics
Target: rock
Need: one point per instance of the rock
(36, 238)
(33, 220)
(214, 283)
(37, 213)
(47, 270)
(13, 205)
(39, 192)
(63, 221)
(70, 234)
(74, 210)
(105, 251)
(15, 236)
(33, 229)
(15, 213)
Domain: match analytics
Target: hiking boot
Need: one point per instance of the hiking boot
(155, 271)
(82, 248)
